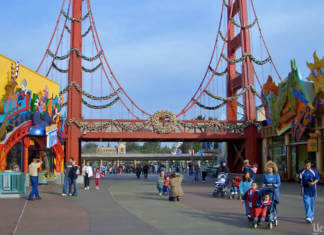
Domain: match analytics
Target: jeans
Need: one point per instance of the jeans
(166, 190)
(75, 188)
(34, 183)
(234, 190)
(196, 176)
(67, 182)
(203, 175)
(309, 203)
(160, 188)
(247, 209)
(86, 180)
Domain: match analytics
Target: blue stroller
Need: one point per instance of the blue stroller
(220, 185)
(270, 219)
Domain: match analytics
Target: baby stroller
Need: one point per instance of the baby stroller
(235, 188)
(220, 185)
(270, 219)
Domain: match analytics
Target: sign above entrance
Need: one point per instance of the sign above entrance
(51, 135)
(312, 145)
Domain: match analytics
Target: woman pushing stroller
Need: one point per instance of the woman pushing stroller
(272, 179)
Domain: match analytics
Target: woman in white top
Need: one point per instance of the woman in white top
(87, 172)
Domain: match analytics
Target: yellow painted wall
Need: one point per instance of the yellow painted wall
(35, 81)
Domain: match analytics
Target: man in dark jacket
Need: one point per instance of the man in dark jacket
(67, 180)
(73, 175)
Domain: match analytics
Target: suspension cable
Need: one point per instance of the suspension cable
(52, 37)
(59, 44)
(109, 68)
(210, 61)
(212, 77)
(265, 45)
(95, 42)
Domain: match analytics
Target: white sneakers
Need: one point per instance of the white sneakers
(309, 220)
(87, 188)
(63, 195)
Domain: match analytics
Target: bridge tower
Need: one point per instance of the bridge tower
(74, 107)
(248, 149)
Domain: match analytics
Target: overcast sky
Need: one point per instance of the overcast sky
(160, 48)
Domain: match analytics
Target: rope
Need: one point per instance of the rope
(74, 19)
(222, 36)
(58, 69)
(244, 26)
(86, 32)
(247, 54)
(78, 88)
(217, 73)
(91, 70)
(56, 57)
(100, 106)
(67, 28)
(90, 59)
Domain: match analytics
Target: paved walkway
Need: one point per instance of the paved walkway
(125, 205)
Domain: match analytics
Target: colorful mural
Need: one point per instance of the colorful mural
(29, 104)
(290, 103)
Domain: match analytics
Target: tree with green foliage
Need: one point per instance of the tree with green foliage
(89, 148)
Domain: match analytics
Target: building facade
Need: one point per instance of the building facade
(295, 118)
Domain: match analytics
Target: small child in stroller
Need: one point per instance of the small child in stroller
(261, 209)
(220, 185)
(263, 213)
(235, 187)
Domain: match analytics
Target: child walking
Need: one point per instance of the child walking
(98, 175)
(251, 199)
(245, 185)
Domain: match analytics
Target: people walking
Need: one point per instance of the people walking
(87, 172)
(138, 171)
(176, 188)
(196, 172)
(67, 179)
(145, 171)
(73, 174)
(33, 173)
(272, 179)
(309, 177)
(245, 185)
(203, 169)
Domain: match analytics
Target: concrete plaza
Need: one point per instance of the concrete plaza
(125, 205)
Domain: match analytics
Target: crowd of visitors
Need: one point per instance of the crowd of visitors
(255, 202)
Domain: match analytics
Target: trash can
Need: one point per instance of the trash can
(12, 182)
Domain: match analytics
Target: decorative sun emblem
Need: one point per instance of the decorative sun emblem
(317, 73)
(163, 122)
